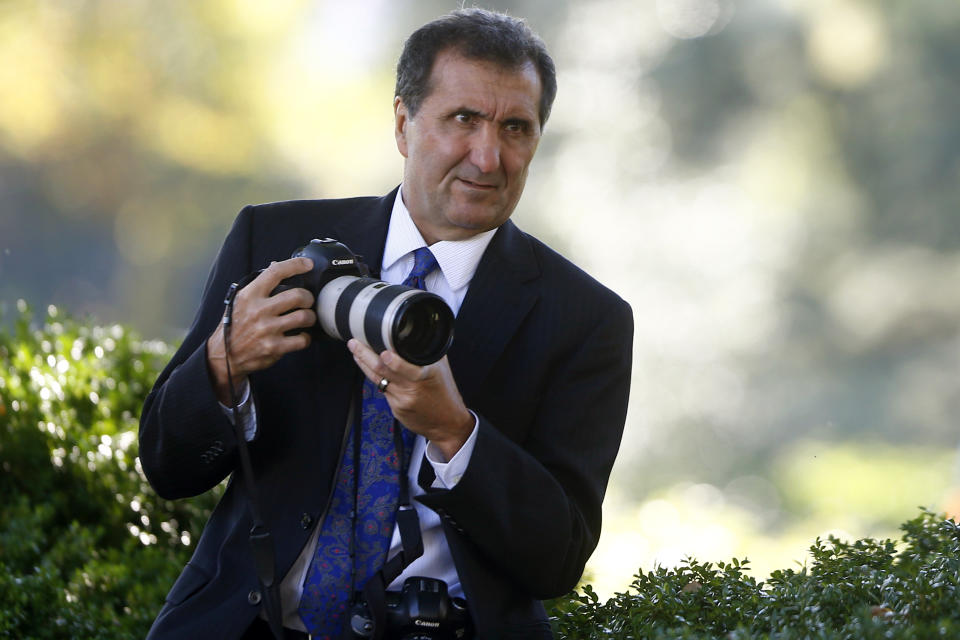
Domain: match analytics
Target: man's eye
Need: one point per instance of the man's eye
(519, 127)
(463, 118)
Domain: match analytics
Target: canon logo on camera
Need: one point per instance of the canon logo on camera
(424, 623)
(337, 263)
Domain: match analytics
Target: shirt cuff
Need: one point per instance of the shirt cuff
(247, 410)
(450, 471)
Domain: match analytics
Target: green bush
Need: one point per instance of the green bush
(87, 549)
(851, 590)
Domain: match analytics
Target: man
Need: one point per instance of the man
(516, 428)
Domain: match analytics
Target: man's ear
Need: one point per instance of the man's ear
(401, 118)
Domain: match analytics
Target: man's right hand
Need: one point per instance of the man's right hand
(258, 325)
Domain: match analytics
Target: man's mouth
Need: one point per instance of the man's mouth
(478, 185)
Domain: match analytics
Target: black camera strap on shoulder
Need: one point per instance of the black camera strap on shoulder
(261, 541)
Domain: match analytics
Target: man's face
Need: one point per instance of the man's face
(469, 146)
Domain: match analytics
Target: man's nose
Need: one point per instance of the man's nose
(485, 149)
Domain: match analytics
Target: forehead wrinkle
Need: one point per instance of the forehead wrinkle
(494, 79)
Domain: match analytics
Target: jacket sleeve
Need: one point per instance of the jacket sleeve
(187, 444)
(533, 508)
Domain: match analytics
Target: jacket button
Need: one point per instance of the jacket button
(305, 521)
(254, 597)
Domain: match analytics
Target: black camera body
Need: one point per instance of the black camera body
(331, 259)
(422, 610)
(418, 325)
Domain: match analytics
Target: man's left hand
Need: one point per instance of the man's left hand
(424, 399)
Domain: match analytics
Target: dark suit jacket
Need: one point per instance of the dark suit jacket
(541, 353)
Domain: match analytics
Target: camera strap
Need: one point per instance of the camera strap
(261, 541)
(411, 543)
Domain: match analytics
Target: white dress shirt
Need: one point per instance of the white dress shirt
(457, 262)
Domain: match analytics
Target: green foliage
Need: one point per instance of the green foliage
(87, 549)
(851, 590)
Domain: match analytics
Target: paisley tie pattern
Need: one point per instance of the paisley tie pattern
(327, 588)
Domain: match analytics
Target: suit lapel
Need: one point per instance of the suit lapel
(501, 294)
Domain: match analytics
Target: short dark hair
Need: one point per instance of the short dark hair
(476, 34)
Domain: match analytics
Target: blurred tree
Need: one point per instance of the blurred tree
(127, 139)
(783, 177)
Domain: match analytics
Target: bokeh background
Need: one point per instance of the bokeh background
(772, 184)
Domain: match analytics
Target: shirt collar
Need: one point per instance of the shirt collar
(458, 259)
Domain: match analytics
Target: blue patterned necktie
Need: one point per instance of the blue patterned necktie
(340, 556)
